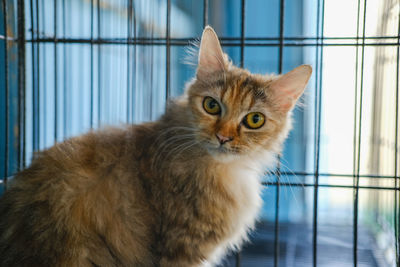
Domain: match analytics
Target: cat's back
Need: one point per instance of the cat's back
(78, 204)
(76, 165)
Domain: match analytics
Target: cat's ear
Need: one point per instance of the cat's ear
(211, 57)
(290, 86)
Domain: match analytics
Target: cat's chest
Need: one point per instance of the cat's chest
(244, 186)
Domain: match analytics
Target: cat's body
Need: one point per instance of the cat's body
(180, 191)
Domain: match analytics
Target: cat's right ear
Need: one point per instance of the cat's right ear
(290, 86)
(211, 57)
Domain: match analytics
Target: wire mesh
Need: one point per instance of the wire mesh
(99, 45)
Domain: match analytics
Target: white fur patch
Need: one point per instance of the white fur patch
(245, 185)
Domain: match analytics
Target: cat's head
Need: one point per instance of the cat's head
(236, 112)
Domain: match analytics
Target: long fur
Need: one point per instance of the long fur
(163, 193)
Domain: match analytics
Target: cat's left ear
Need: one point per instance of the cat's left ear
(290, 86)
(211, 57)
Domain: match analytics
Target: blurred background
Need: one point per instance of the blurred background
(67, 66)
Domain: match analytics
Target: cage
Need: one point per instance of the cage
(67, 66)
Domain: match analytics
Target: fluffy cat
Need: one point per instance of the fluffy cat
(180, 191)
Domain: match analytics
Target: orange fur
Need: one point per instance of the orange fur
(164, 193)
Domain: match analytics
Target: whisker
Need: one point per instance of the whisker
(174, 128)
(185, 148)
(161, 151)
(168, 143)
(298, 180)
(179, 147)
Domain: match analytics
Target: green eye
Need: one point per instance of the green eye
(254, 120)
(211, 106)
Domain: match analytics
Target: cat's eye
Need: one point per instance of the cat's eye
(211, 106)
(254, 120)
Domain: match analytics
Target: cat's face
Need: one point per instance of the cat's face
(236, 112)
(233, 116)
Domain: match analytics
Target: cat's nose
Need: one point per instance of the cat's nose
(223, 139)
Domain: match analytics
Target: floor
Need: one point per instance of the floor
(335, 247)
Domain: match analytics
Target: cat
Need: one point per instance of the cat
(180, 191)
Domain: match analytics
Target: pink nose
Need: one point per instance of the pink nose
(223, 139)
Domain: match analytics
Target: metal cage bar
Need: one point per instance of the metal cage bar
(230, 41)
(36, 98)
(357, 170)
(35, 71)
(21, 84)
(241, 64)
(317, 131)
(64, 60)
(396, 219)
(55, 17)
(99, 65)
(278, 168)
(168, 52)
(129, 60)
(91, 64)
(205, 13)
(7, 102)
(42, 88)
